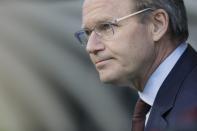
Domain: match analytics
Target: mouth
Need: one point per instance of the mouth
(102, 61)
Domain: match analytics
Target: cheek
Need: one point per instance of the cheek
(133, 49)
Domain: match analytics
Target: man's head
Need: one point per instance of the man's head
(129, 50)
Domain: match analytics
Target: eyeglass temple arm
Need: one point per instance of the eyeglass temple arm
(138, 12)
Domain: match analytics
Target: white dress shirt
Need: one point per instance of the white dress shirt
(159, 75)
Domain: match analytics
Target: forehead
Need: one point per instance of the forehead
(95, 11)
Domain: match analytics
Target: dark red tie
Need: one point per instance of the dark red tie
(139, 115)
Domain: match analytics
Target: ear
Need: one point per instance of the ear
(160, 22)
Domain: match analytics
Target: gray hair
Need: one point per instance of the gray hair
(178, 24)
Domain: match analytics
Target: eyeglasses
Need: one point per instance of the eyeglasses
(103, 30)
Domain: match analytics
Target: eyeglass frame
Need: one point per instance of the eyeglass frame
(113, 22)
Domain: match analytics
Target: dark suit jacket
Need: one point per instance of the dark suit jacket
(175, 106)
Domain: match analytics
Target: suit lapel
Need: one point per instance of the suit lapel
(166, 96)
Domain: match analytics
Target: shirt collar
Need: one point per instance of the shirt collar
(157, 78)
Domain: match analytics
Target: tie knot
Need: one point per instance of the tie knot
(141, 109)
(139, 116)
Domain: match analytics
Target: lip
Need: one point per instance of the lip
(102, 61)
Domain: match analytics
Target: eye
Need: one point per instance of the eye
(104, 27)
(87, 32)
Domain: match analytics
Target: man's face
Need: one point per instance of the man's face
(128, 54)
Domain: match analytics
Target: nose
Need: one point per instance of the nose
(94, 44)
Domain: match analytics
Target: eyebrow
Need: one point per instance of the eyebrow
(99, 21)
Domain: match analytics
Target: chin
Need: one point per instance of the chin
(112, 80)
(114, 75)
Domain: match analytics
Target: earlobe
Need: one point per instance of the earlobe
(160, 22)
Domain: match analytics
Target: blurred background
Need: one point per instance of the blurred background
(47, 82)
